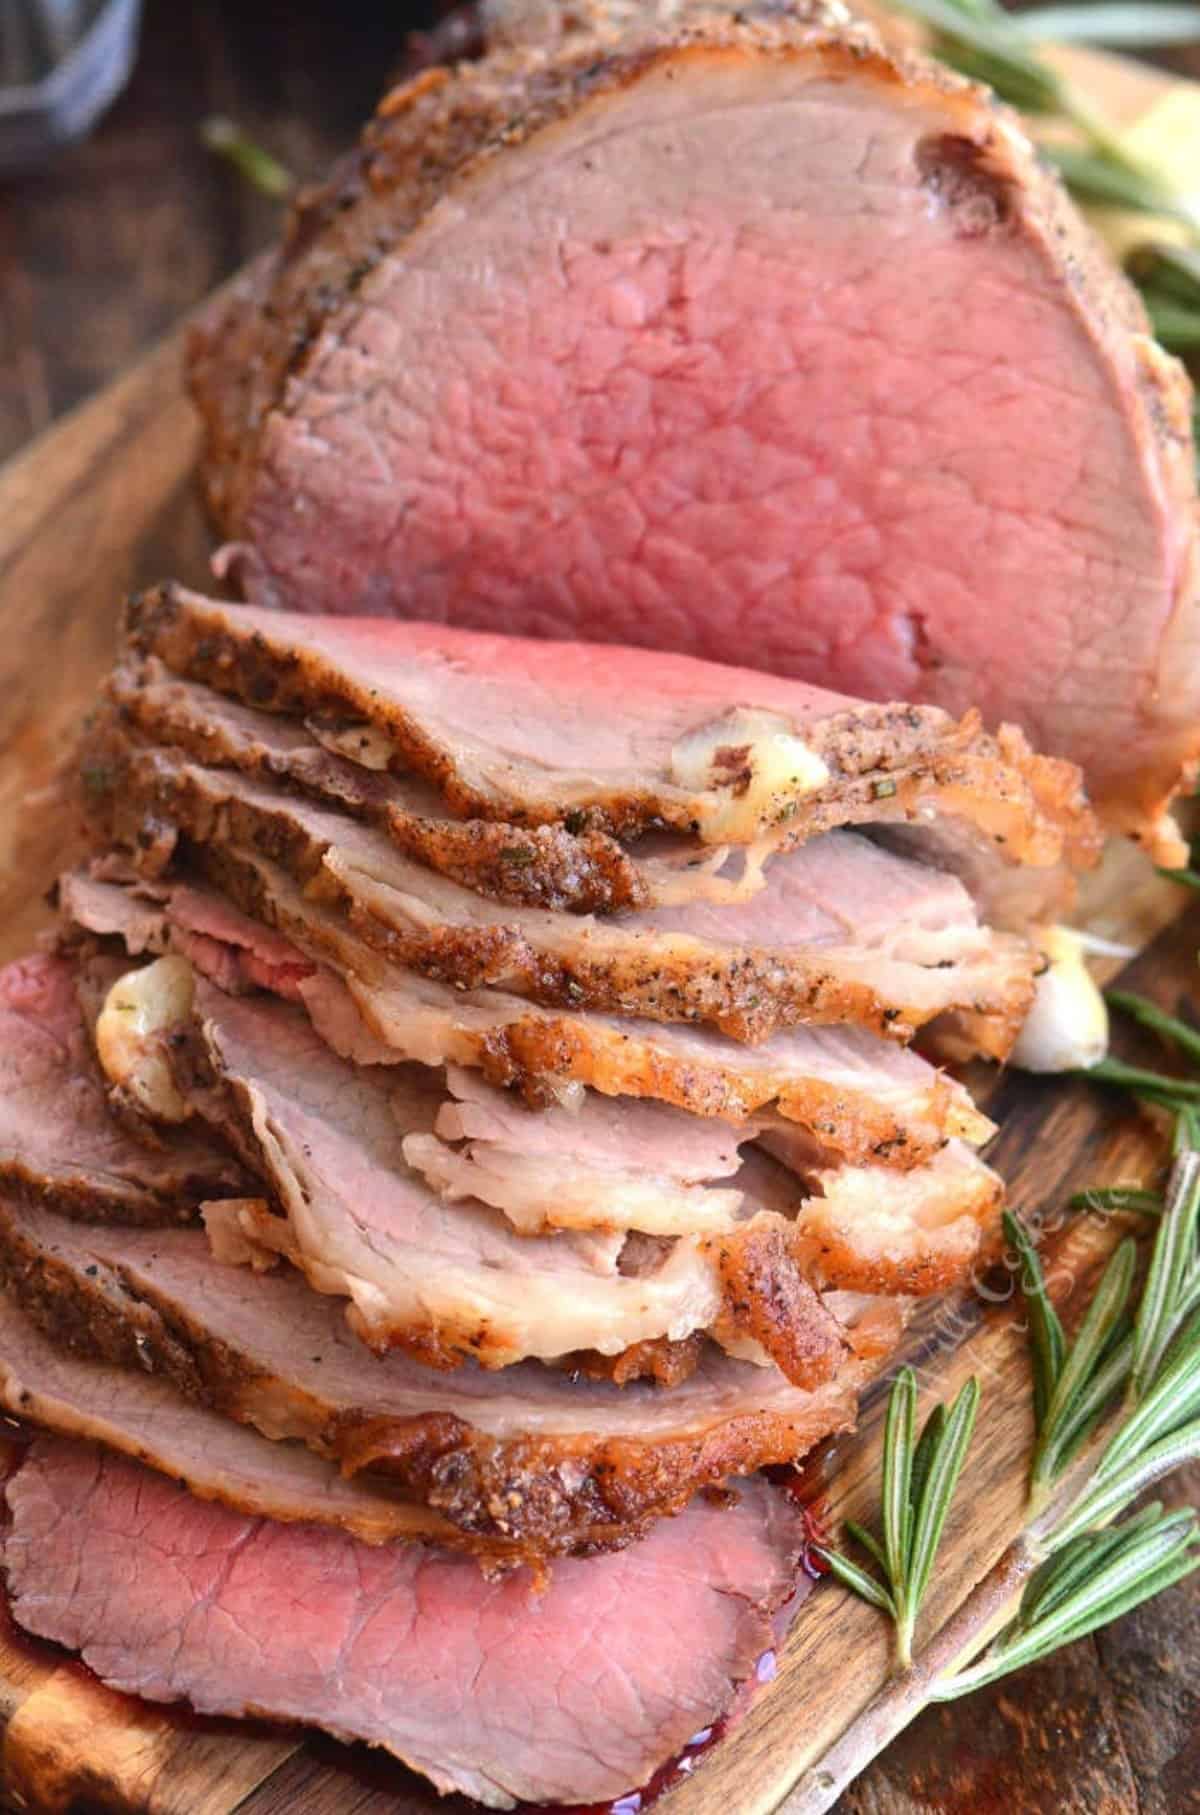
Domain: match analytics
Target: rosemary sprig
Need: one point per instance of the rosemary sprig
(919, 1479)
(1151, 1086)
(1172, 272)
(1169, 280)
(1104, 1576)
(1156, 1359)
(1175, 328)
(982, 33)
(1093, 1564)
(1074, 1384)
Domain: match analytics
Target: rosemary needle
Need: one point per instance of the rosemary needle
(1097, 176)
(259, 168)
(1148, 1014)
(1116, 1199)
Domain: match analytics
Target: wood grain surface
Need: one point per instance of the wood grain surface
(106, 502)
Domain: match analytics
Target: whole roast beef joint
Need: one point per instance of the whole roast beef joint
(501, 1081)
(726, 331)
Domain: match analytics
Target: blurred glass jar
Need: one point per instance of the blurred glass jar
(62, 62)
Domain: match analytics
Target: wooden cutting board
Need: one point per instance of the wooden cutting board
(106, 502)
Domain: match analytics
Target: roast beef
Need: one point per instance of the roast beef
(606, 1164)
(731, 332)
(584, 735)
(528, 1456)
(547, 866)
(448, 1281)
(863, 1099)
(60, 1140)
(643, 1166)
(842, 932)
(493, 1688)
(533, 866)
(137, 1415)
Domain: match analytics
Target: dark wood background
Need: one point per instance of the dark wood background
(102, 252)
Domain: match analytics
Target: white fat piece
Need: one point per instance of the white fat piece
(747, 769)
(141, 1008)
(1067, 1027)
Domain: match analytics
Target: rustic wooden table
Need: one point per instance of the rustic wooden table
(98, 256)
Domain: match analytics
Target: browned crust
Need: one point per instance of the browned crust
(555, 867)
(659, 1359)
(91, 1200)
(747, 992)
(769, 1301)
(887, 763)
(539, 1497)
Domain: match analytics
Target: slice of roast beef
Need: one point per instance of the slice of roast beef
(533, 866)
(448, 1281)
(867, 1229)
(613, 1666)
(865, 1098)
(604, 1164)
(843, 932)
(527, 1456)
(61, 1142)
(728, 332)
(451, 1281)
(585, 735)
(131, 1412)
(644, 1166)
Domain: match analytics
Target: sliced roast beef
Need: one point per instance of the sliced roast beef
(60, 1140)
(842, 932)
(609, 1164)
(452, 1281)
(641, 1165)
(533, 866)
(585, 735)
(865, 1100)
(863, 1097)
(614, 1665)
(603, 1163)
(527, 1456)
(137, 1415)
(729, 332)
